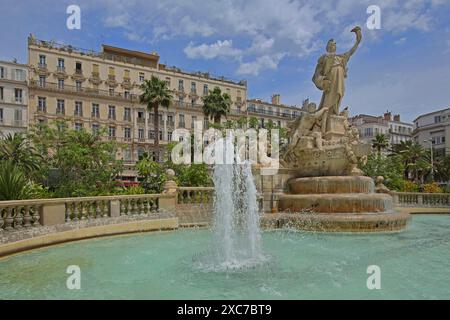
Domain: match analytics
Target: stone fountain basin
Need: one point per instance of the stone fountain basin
(336, 203)
(333, 184)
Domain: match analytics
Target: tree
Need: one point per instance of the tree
(216, 105)
(13, 183)
(380, 142)
(18, 149)
(253, 122)
(415, 159)
(391, 168)
(77, 163)
(155, 93)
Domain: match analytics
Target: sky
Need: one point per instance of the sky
(403, 67)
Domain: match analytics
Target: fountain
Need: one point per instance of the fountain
(236, 222)
(328, 191)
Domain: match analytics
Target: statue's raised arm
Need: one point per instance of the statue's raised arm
(357, 31)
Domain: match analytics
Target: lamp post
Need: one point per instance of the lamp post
(431, 158)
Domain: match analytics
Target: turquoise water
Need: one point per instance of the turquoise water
(414, 264)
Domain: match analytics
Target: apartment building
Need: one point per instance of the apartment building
(280, 114)
(433, 129)
(391, 126)
(95, 90)
(13, 98)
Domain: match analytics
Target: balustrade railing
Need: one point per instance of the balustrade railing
(195, 195)
(19, 214)
(416, 199)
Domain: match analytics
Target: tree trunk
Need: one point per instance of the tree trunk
(156, 125)
(217, 119)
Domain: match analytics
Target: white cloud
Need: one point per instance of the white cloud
(259, 64)
(211, 51)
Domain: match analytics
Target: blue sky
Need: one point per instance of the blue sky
(274, 44)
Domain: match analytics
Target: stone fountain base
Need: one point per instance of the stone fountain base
(336, 203)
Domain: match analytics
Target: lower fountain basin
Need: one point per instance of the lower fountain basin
(336, 203)
(343, 222)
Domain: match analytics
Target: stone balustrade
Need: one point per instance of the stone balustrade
(28, 213)
(190, 195)
(422, 200)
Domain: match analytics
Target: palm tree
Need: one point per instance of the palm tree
(17, 149)
(414, 157)
(216, 105)
(253, 122)
(155, 92)
(380, 142)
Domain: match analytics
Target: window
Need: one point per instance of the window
(126, 94)
(151, 134)
(60, 84)
(19, 75)
(180, 85)
(141, 134)
(368, 132)
(168, 82)
(126, 74)
(42, 104)
(194, 118)
(127, 114)
(193, 87)
(78, 126)
(127, 133)
(42, 61)
(2, 73)
(95, 110)
(169, 135)
(42, 81)
(78, 68)
(18, 95)
(61, 126)
(141, 116)
(1, 93)
(61, 65)
(60, 108)
(78, 85)
(111, 112)
(18, 117)
(205, 89)
(78, 108)
(112, 72)
(95, 128)
(1, 114)
(181, 121)
(141, 77)
(437, 119)
(112, 132)
(111, 92)
(170, 120)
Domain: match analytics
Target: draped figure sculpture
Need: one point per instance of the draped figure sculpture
(330, 74)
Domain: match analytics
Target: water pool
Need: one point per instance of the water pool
(415, 264)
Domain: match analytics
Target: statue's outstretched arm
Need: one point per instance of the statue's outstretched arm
(357, 31)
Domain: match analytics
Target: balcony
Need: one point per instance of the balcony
(182, 125)
(60, 111)
(42, 66)
(78, 114)
(171, 124)
(140, 120)
(61, 69)
(111, 117)
(91, 92)
(95, 115)
(127, 118)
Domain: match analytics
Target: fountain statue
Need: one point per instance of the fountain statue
(329, 191)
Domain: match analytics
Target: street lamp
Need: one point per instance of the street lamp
(431, 158)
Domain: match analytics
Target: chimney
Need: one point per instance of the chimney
(397, 117)
(276, 99)
(388, 116)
